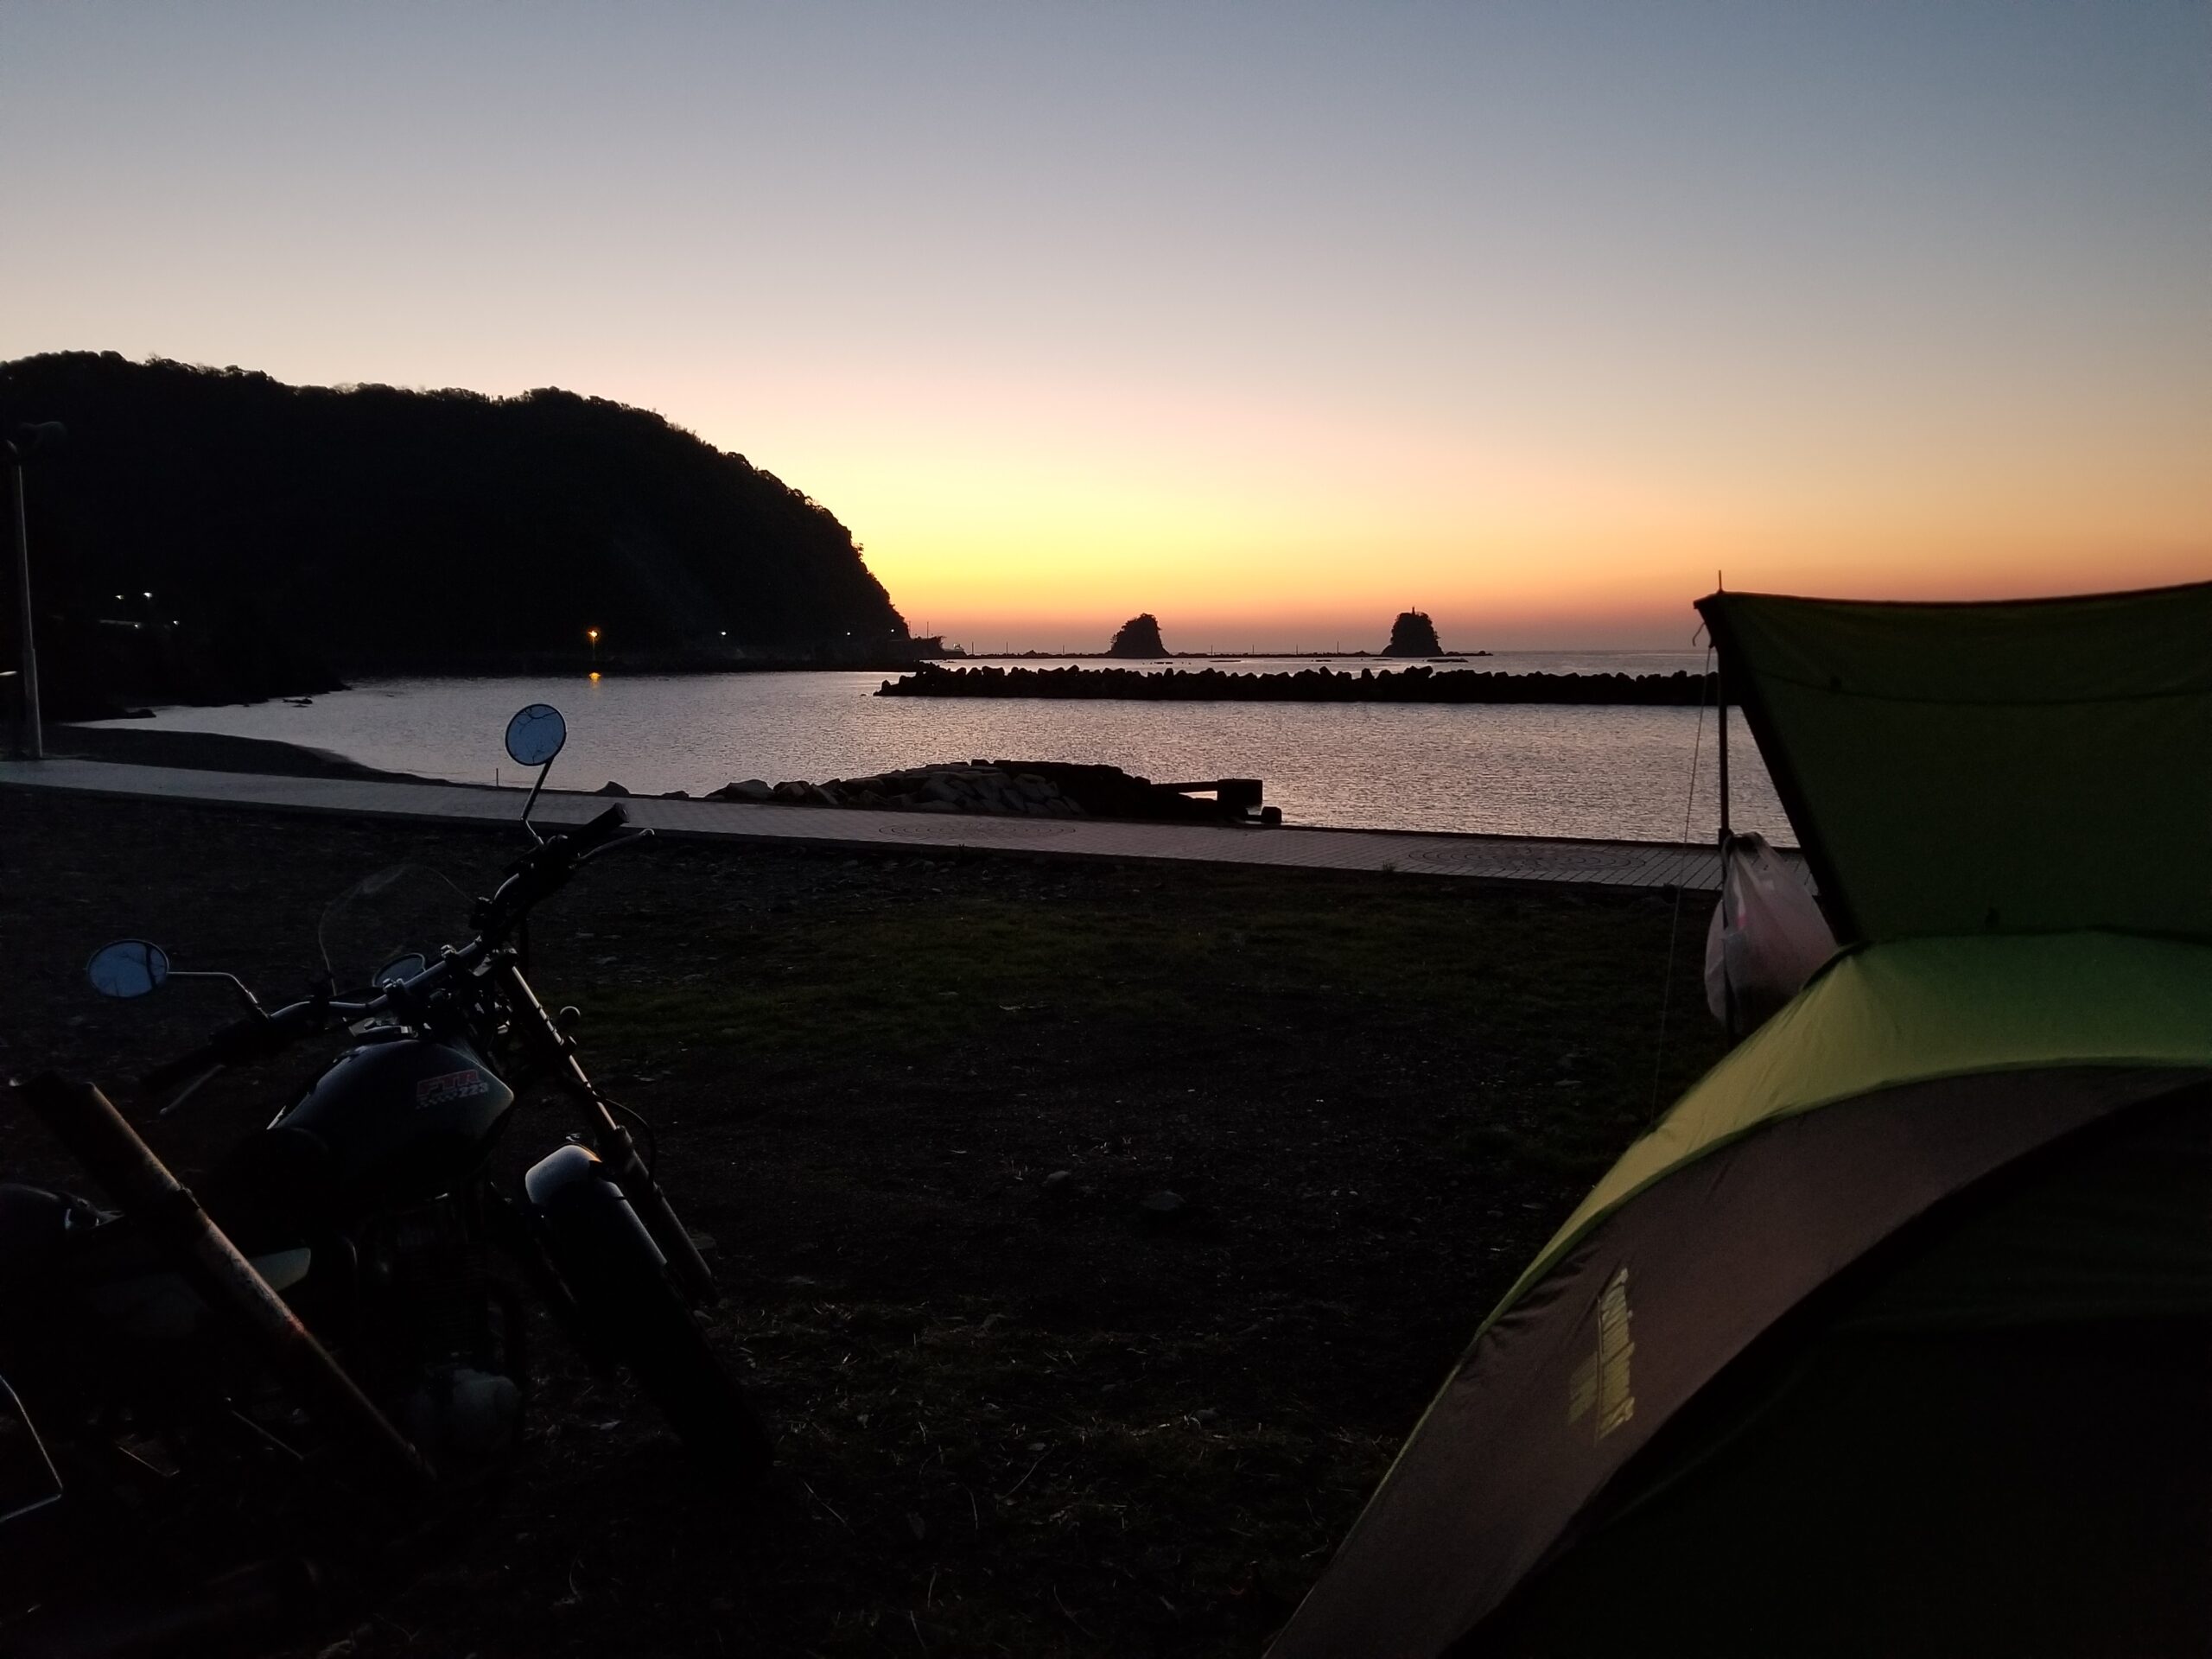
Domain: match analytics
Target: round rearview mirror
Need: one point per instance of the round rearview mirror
(399, 970)
(128, 968)
(535, 735)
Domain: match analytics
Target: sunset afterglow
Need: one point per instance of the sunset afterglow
(1271, 320)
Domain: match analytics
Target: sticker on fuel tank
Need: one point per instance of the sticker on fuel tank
(443, 1090)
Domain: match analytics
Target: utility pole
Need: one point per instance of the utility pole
(19, 445)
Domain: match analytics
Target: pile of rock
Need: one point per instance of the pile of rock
(978, 786)
(1035, 789)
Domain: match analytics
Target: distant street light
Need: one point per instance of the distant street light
(20, 444)
(592, 635)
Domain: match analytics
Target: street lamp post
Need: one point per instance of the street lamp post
(19, 446)
(592, 635)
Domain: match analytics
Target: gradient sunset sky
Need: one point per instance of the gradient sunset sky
(1268, 318)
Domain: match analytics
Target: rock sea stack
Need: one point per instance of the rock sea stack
(1413, 635)
(1138, 636)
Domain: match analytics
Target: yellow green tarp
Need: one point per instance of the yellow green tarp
(2031, 765)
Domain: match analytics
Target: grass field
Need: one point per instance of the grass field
(927, 1109)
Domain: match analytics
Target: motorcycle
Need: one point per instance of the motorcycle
(347, 1298)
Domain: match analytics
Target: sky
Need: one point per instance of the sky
(1270, 319)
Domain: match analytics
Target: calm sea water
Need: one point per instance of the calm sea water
(1539, 770)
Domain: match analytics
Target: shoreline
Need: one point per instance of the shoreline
(212, 752)
(863, 827)
(273, 757)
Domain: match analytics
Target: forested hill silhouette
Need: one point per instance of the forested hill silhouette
(290, 534)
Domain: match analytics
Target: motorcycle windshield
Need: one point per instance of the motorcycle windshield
(369, 932)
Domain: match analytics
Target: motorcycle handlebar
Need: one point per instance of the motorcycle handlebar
(542, 871)
(536, 875)
(601, 830)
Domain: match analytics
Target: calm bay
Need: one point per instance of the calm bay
(1610, 772)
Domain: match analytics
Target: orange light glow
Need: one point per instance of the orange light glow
(1044, 518)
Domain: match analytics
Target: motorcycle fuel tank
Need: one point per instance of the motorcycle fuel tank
(403, 1120)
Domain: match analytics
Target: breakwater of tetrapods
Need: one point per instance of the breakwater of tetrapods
(1416, 683)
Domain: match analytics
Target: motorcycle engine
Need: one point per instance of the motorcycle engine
(452, 1334)
(461, 1417)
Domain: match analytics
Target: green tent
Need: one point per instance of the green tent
(1894, 1335)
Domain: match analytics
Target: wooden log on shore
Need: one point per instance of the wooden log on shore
(1680, 689)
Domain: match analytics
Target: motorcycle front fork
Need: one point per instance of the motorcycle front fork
(608, 1136)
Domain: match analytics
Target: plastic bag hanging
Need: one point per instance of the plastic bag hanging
(1767, 936)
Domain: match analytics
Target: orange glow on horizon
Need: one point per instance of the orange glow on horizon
(1046, 516)
(1533, 316)
(1064, 559)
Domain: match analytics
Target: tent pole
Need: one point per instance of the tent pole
(1723, 703)
(1720, 703)
(1720, 700)
(1728, 984)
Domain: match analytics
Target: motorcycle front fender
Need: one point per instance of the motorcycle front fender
(595, 1242)
(592, 1229)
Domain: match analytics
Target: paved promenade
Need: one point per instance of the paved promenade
(1608, 863)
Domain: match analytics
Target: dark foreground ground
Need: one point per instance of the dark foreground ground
(1016, 1419)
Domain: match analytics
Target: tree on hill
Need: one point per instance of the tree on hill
(368, 529)
(1138, 636)
(1413, 635)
